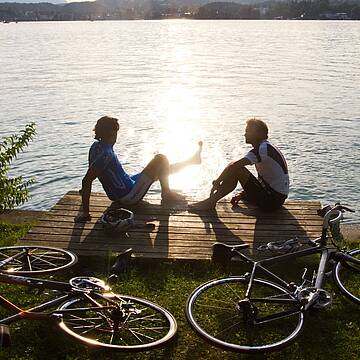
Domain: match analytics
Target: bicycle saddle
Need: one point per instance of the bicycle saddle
(224, 252)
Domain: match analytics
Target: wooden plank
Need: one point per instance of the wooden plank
(103, 201)
(276, 221)
(184, 227)
(178, 233)
(156, 198)
(186, 218)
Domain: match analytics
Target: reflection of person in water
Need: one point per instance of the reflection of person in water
(118, 185)
(269, 190)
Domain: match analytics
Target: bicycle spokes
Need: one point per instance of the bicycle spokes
(222, 311)
(121, 322)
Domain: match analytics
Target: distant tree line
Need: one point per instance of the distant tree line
(305, 10)
(161, 9)
(227, 10)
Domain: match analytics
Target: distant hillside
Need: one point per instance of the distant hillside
(34, 1)
(11, 11)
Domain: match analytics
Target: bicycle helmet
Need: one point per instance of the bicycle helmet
(117, 220)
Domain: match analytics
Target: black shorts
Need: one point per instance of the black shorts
(262, 195)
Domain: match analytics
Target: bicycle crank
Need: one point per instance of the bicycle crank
(315, 298)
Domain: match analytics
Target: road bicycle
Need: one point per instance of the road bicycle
(255, 314)
(84, 307)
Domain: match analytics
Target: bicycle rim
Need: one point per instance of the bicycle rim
(270, 320)
(135, 325)
(347, 277)
(27, 260)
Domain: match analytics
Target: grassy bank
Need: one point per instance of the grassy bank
(330, 333)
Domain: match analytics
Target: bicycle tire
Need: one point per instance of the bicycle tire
(32, 260)
(225, 325)
(139, 325)
(347, 277)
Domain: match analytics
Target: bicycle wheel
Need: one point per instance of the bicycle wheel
(266, 321)
(347, 276)
(27, 260)
(117, 322)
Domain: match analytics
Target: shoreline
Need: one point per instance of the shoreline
(350, 232)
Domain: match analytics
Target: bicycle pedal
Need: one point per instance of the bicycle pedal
(324, 299)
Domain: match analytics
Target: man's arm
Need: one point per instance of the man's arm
(236, 165)
(241, 163)
(87, 181)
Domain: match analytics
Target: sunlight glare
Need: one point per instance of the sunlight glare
(181, 132)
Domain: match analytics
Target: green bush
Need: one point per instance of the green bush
(14, 190)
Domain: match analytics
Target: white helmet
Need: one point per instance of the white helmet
(117, 220)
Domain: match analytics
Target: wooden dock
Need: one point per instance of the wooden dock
(178, 233)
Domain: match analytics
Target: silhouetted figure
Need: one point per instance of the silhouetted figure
(269, 190)
(118, 185)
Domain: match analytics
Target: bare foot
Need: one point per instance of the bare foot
(206, 204)
(172, 196)
(196, 159)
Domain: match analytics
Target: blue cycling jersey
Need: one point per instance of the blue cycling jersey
(114, 179)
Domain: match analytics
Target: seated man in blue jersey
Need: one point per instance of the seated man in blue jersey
(269, 190)
(118, 185)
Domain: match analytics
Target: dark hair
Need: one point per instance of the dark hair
(260, 126)
(105, 125)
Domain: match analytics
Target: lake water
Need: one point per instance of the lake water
(172, 83)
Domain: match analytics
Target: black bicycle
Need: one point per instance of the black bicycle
(85, 307)
(256, 315)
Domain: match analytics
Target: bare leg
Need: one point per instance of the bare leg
(222, 186)
(160, 169)
(193, 160)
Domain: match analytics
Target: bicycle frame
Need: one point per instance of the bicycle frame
(319, 246)
(260, 313)
(85, 307)
(325, 252)
(36, 313)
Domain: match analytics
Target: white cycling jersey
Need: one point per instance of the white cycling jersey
(271, 166)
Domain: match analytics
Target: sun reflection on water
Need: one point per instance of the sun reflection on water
(181, 132)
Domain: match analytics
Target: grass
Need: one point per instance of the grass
(329, 333)
(10, 233)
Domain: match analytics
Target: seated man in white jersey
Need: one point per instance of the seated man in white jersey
(269, 190)
(117, 183)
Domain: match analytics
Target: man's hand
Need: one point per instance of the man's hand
(235, 200)
(238, 197)
(82, 218)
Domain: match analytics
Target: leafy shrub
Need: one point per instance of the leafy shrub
(14, 190)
